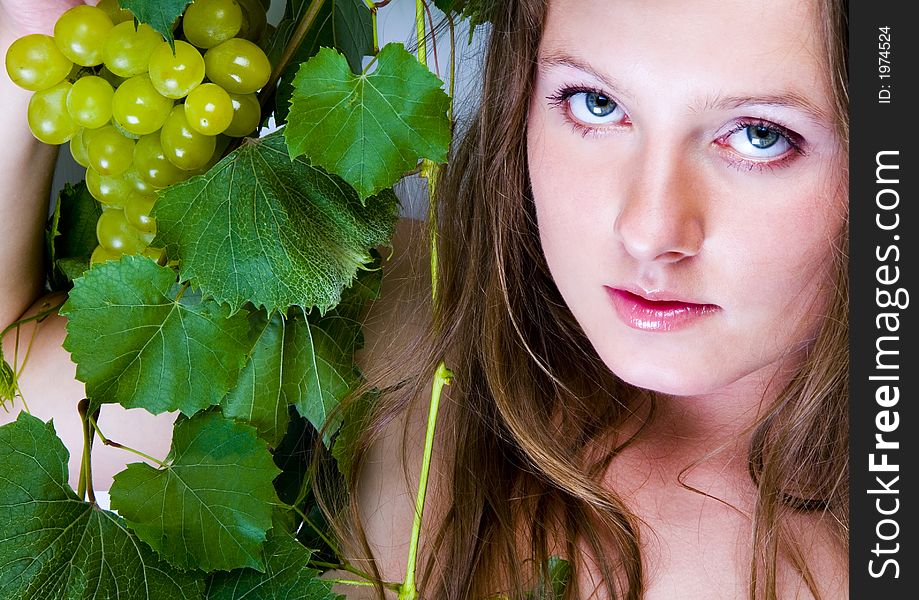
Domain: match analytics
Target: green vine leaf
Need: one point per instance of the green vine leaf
(258, 397)
(368, 129)
(136, 345)
(71, 234)
(210, 506)
(307, 361)
(341, 24)
(287, 234)
(286, 576)
(53, 545)
(161, 15)
(322, 350)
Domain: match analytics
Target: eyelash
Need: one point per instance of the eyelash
(561, 96)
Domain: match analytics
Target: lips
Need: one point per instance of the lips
(658, 311)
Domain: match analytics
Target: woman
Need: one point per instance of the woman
(649, 360)
(642, 294)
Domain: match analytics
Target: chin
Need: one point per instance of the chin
(671, 380)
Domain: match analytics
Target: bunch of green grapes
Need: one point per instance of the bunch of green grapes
(138, 113)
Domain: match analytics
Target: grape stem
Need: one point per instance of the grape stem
(427, 9)
(374, 7)
(311, 525)
(39, 316)
(270, 89)
(18, 368)
(85, 486)
(115, 444)
(442, 377)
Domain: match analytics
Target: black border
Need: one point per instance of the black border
(875, 127)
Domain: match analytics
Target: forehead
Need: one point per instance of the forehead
(718, 45)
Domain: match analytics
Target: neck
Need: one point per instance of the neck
(702, 440)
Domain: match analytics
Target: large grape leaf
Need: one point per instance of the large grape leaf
(370, 129)
(158, 14)
(258, 397)
(210, 506)
(341, 24)
(261, 228)
(286, 576)
(55, 546)
(306, 361)
(136, 344)
(323, 351)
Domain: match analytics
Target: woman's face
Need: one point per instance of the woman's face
(689, 183)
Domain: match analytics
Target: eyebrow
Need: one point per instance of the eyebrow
(792, 100)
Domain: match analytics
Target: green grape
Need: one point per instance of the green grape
(110, 153)
(78, 148)
(102, 254)
(183, 146)
(138, 183)
(48, 117)
(238, 66)
(80, 34)
(127, 50)
(246, 115)
(115, 233)
(174, 75)
(146, 237)
(114, 123)
(152, 165)
(155, 254)
(138, 107)
(90, 102)
(137, 211)
(35, 63)
(209, 109)
(115, 12)
(208, 22)
(110, 191)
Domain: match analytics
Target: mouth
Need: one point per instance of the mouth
(659, 311)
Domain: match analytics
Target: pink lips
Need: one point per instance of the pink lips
(660, 315)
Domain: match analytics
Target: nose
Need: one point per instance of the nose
(661, 215)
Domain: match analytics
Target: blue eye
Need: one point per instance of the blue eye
(595, 108)
(758, 140)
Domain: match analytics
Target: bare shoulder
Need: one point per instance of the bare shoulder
(395, 320)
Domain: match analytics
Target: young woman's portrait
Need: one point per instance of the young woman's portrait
(641, 292)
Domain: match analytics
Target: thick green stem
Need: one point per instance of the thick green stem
(85, 486)
(350, 582)
(373, 21)
(419, 27)
(443, 377)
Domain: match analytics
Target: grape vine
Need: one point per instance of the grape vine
(216, 272)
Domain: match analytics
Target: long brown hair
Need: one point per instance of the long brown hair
(531, 399)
